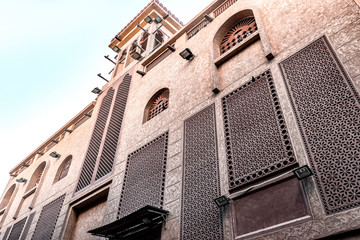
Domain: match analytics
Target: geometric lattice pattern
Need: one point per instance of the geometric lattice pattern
(47, 221)
(256, 137)
(144, 180)
(27, 226)
(6, 233)
(159, 104)
(112, 135)
(17, 229)
(238, 33)
(88, 168)
(327, 109)
(200, 217)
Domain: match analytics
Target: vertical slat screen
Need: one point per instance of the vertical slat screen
(17, 229)
(112, 135)
(200, 217)
(47, 221)
(6, 233)
(95, 142)
(27, 226)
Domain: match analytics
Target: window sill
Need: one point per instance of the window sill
(28, 193)
(2, 211)
(247, 42)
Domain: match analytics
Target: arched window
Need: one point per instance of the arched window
(36, 177)
(7, 197)
(132, 50)
(238, 33)
(158, 103)
(159, 39)
(63, 169)
(144, 41)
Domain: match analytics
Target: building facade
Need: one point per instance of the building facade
(205, 131)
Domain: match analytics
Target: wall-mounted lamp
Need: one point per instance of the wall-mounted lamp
(303, 172)
(96, 90)
(116, 49)
(148, 19)
(141, 73)
(25, 165)
(207, 17)
(158, 19)
(187, 54)
(136, 56)
(55, 155)
(68, 130)
(99, 75)
(40, 153)
(171, 48)
(88, 115)
(13, 175)
(21, 180)
(54, 141)
(222, 201)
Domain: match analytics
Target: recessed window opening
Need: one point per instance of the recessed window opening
(158, 103)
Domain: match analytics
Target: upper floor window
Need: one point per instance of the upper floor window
(36, 177)
(7, 197)
(158, 103)
(144, 41)
(238, 33)
(63, 169)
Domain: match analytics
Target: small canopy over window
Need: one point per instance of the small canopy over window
(237, 33)
(63, 169)
(158, 103)
(7, 197)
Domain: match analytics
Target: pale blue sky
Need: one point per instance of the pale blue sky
(50, 54)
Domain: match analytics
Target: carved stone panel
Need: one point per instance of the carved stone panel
(200, 217)
(257, 140)
(144, 180)
(328, 113)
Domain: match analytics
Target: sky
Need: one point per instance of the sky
(50, 54)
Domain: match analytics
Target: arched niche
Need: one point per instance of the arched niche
(63, 169)
(36, 177)
(157, 103)
(255, 35)
(6, 199)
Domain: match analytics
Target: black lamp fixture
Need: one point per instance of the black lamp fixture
(96, 90)
(68, 130)
(187, 54)
(13, 175)
(303, 172)
(141, 73)
(116, 49)
(222, 201)
(148, 19)
(21, 180)
(207, 17)
(55, 155)
(136, 56)
(158, 19)
(40, 153)
(25, 165)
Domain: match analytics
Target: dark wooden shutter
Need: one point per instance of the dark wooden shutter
(27, 226)
(112, 135)
(7, 233)
(93, 150)
(200, 218)
(47, 221)
(17, 229)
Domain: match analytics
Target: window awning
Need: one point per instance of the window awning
(141, 220)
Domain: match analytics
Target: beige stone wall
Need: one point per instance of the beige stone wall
(290, 25)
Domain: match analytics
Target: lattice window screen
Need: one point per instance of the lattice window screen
(47, 221)
(27, 226)
(327, 108)
(144, 180)
(200, 217)
(17, 229)
(93, 150)
(257, 140)
(6, 233)
(113, 132)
